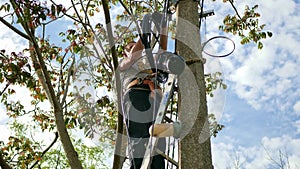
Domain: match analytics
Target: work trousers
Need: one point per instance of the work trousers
(140, 111)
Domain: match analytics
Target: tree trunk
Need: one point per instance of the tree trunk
(195, 147)
(44, 77)
(119, 157)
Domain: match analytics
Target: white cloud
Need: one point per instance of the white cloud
(297, 126)
(5, 133)
(226, 155)
(296, 108)
(10, 41)
(278, 14)
(265, 76)
(285, 144)
(267, 80)
(3, 125)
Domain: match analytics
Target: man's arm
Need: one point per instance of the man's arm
(164, 38)
(134, 55)
(138, 47)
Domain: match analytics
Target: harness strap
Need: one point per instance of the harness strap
(145, 81)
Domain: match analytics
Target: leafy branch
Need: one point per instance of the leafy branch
(246, 26)
(46, 150)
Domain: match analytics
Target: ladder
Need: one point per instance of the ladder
(151, 146)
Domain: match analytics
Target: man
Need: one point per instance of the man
(140, 101)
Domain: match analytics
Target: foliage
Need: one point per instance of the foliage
(19, 69)
(21, 151)
(214, 81)
(214, 126)
(93, 157)
(246, 26)
(16, 70)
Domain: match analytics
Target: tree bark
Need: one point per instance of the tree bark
(118, 158)
(195, 147)
(3, 163)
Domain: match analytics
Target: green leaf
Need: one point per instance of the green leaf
(270, 34)
(76, 49)
(43, 16)
(263, 35)
(260, 45)
(61, 34)
(59, 9)
(19, 20)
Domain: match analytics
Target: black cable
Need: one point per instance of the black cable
(216, 37)
(201, 12)
(146, 39)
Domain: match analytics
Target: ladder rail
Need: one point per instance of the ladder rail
(159, 118)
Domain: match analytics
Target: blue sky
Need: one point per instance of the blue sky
(261, 106)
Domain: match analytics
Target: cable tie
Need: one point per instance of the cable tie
(192, 61)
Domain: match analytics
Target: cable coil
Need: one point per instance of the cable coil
(216, 37)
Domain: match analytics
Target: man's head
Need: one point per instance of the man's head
(128, 48)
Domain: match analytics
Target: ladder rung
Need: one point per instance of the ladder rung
(168, 119)
(167, 157)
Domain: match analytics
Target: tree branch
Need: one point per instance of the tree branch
(58, 112)
(110, 33)
(132, 17)
(13, 28)
(237, 13)
(234, 8)
(94, 34)
(85, 11)
(118, 160)
(70, 73)
(65, 13)
(46, 150)
(6, 86)
(70, 151)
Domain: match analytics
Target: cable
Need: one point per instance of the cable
(201, 12)
(125, 116)
(218, 37)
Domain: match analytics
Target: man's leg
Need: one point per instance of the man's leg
(138, 140)
(158, 161)
(136, 104)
